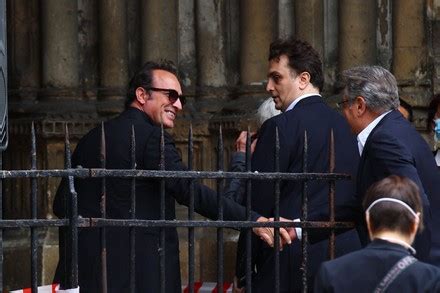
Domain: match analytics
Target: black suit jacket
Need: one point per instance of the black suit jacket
(313, 116)
(395, 147)
(118, 140)
(362, 270)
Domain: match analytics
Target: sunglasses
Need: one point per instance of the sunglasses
(172, 95)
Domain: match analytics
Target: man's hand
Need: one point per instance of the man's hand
(290, 230)
(236, 288)
(267, 234)
(240, 143)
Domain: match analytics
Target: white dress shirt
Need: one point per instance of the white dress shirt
(365, 133)
(293, 104)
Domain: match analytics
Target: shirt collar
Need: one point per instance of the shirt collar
(365, 133)
(293, 104)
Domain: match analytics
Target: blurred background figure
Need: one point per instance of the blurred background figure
(405, 110)
(433, 125)
(393, 212)
(235, 187)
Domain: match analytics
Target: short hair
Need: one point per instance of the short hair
(432, 109)
(375, 84)
(389, 215)
(144, 77)
(267, 110)
(302, 58)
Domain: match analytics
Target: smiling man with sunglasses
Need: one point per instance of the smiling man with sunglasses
(154, 97)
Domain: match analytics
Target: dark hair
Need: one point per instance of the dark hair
(432, 109)
(389, 215)
(302, 58)
(408, 108)
(144, 76)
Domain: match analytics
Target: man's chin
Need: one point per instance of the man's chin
(168, 124)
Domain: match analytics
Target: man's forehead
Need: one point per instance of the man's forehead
(163, 78)
(278, 65)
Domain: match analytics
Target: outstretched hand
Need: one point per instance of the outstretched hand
(267, 233)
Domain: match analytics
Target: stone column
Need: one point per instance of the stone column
(257, 31)
(286, 18)
(113, 53)
(211, 57)
(330, 43)
(357, 33)
(187, 41)
(23, 53)
(410, 58)
(309, 22)
(60, 64)
(410, 63)
(435, 45)
(88, 47)
(159, 30)
(384, 36)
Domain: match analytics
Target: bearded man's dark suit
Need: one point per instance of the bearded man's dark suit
(395, 147)
(118, 141)
(313, 116)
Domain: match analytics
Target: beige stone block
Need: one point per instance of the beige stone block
(410, 63)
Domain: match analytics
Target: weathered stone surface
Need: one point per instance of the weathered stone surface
(357, 39)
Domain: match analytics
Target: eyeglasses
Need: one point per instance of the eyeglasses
(172, 95)
(340, 104)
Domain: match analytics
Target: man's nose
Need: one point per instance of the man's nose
(178, 104)
(269, 86)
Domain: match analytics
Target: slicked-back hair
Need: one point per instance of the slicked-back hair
(144, 77)
(302, 58)
(391, 216)
(375, 84)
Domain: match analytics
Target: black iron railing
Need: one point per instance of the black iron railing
(72, 221)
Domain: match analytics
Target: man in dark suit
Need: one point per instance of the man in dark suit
(393, 210)
(295, 79)
(388, 145)
(153, 97)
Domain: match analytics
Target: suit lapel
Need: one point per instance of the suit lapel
(360, 173)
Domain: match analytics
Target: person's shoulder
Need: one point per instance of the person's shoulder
(423, 274)
(427, 268)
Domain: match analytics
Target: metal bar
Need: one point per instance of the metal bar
(33, 202)
(28, 223)
(72, 238)
(99, 222)
(331, 194)
(305, 238)
(248, 215)
(1, 230)
(220, 183)
(132, 230)
(127, 173)
(269, 176)
(277, 213)
(103, 204)
(162, 254)
(191, 239)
